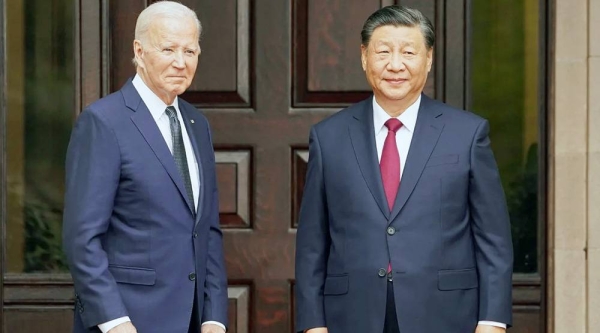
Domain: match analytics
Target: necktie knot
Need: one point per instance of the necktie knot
(171, 112)
(393, 124)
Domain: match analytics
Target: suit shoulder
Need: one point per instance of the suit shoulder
(106, 103)
(110, 109)
(340, 119)
(455, 114)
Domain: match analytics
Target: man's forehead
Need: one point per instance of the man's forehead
(393, 30)
(390, 34)
(392, 40)
(167, 36)
(164, 24)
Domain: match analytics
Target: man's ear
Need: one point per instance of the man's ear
(429, 59)
(363, 56)
(138, 52)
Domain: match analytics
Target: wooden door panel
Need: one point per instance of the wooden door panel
(326, 50)
(47, 319)
(59, 318)
(223, 76)
(527, 319)
(239, 309)
(234, 180)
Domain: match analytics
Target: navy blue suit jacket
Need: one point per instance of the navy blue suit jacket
(448, 236)
(133, 243)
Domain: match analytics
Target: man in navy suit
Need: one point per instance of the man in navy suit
(403, 225)
(141, 224)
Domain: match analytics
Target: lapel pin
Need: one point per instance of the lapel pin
(192, 120)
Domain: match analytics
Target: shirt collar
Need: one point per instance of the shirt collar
(154, 104)
(408, 117)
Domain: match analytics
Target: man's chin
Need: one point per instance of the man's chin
(178, 90)
(396, 96)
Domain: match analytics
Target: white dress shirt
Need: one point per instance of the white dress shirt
(403, 135)
(403, 139)
(157, 109)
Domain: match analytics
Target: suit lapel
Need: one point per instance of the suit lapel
(189, 116)
(362, 135)
(427, 132)
(142, 118)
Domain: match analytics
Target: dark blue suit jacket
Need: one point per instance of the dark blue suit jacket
(447, 237)
(134, 246)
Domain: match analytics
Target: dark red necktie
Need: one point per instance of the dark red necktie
(390, 165)
(390, 162)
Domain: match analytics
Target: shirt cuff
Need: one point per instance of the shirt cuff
(112, 324)
(492, 323)
(215, 323)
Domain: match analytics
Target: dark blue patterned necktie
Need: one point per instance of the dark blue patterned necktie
(179, 151)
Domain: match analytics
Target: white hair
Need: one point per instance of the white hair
(162, 9)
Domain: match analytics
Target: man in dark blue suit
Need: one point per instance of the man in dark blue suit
(403, 225)
(141, 225)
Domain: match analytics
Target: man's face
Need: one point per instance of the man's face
(396, 63)
(168, 57)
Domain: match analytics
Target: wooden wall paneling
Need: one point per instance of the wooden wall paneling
(299, 168)
(528, 316)
(89, 52)
(122, 18)
(34, 318)
(239, 309)
(38, 303)
(455, 55)
(224, 78)
(326, 58)
(234, 173)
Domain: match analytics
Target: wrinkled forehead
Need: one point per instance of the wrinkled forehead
(398, 34)
(174, 30)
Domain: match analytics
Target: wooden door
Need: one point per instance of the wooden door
(269, 69)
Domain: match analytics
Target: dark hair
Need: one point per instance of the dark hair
(398, 16)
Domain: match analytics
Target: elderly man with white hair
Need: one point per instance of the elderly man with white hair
(141, 222)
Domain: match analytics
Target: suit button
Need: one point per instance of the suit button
(382, 272)
(192, 276)
(391, 231)
(195, 235)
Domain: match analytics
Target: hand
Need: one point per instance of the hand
(489, 329)
(212, 328)
(126, 327)
(317, 330)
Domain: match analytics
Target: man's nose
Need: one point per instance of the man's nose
(396, 62)
(178, 60)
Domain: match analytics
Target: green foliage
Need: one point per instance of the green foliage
(43, 251)
(522, 199)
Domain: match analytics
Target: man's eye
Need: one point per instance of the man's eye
(168, 50)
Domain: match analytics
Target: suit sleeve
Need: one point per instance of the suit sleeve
(92, 178)
(312, 243)
(491, 230)
(215, 287)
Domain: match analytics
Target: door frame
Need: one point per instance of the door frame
(2, 156)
